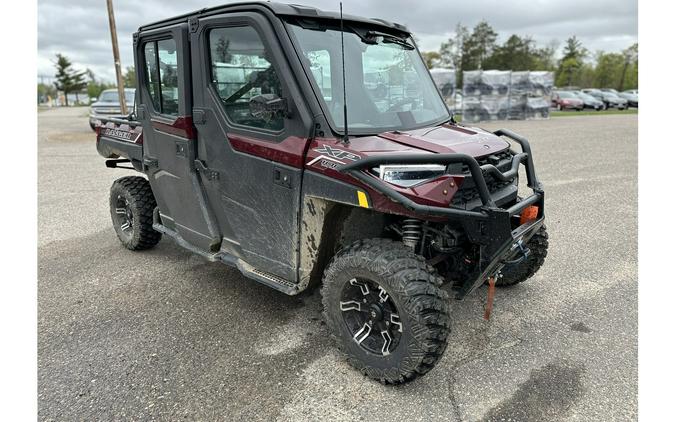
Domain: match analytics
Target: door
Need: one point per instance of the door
(169, 149)
(258, 158)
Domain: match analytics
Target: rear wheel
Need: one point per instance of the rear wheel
(386, 310)
(514, 274)
(131, 206)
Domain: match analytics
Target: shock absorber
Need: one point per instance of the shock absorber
(411, 233)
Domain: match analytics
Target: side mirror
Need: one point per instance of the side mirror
(268, 106)
(93, 99)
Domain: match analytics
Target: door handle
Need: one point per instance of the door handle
(283, 177)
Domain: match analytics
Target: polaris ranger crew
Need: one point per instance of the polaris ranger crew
(308, 149)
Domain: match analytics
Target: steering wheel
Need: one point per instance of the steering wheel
(407, 100)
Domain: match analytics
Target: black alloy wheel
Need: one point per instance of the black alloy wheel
(385, 309)
(371, 316)
(124, 216)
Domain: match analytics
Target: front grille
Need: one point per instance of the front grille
(467, 195)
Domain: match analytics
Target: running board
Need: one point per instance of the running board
(269, 280)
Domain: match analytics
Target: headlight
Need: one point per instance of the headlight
(410, 174)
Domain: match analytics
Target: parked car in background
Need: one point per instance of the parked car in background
(108, 105)
(631, 96)
(565, 100)
(589, 100)
(608, 98)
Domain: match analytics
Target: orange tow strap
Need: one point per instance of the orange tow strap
(490, 298)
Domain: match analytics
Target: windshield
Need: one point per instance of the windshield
(388, 85)
(585, 97)
(112, 97)
(564, 94)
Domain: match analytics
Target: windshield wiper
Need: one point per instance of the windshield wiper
(390, 39)
(371, 36)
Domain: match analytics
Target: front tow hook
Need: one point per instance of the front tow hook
(520, 250)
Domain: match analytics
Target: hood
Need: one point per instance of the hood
(443, 139)
(106, 104)
(617, 100)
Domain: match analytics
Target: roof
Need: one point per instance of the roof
(279, 9)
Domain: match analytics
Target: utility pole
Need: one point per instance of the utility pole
(116, 56)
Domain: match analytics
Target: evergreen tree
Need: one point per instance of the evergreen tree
(479, 45)
(68, 79)
(571, 63)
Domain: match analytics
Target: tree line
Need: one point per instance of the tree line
(478, 49)
(68, 80)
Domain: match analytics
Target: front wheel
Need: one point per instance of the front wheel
(386, 310)
(514, 274)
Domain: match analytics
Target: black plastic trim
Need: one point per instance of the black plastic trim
(356, 168)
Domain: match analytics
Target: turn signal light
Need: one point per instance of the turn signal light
(529, 214)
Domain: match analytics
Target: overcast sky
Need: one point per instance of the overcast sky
(79, 28)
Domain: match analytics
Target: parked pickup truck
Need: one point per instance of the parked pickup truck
(108, 106)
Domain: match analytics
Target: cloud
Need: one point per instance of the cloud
(79, 28)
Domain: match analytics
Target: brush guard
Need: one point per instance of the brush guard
(488, 226)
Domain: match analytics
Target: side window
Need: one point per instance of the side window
(241, 69)
(161, 69)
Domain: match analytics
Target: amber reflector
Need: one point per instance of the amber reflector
(529, 214)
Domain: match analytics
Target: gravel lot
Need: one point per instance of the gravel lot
(165, 335)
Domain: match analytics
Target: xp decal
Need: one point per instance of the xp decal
(335, 155)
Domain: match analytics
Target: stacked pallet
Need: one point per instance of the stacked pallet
(530, 95)
(497, 94)
(486, 95)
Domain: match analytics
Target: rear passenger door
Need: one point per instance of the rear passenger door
(259, 159)
(169, 149)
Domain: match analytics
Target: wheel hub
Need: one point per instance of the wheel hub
(371, 316)
(376, 312)
(125, 216)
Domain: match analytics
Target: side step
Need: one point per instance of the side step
(268, 279)
(248, 271)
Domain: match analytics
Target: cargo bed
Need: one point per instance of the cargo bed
(119, 138)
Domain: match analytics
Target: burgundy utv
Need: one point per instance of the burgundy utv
(305, 149)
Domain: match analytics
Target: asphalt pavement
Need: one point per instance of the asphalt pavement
(164, 335)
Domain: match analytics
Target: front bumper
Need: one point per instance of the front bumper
(98, 118)
(490, 226)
